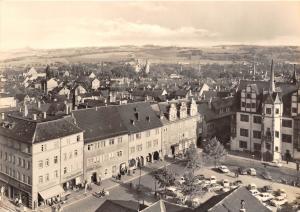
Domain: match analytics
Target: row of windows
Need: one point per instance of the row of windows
(139, 135)
(105, 157)
(46, 178)
(257, 134)
(18, 146)
(15, 174)
(102, 144)
(139, 148)
(44, 146)
(15, 160)
(257, 147)
(248, 105)
(245, 118)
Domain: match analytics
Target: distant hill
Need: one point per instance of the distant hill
(157, 54)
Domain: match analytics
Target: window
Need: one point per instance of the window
(244, 118)
(277, 111)
(138, 136)
(20, 161)
(119, 140)
(257, 119)
(268, 146)
(18, 175)
(28, 165)
(5, 156)
(139, 147)
(155, 142)
(56, 173)
(110, 155)
(119, 153)
(131, 137)
(24, 178)
(256, 134)
(248, 105)
(276, 134)
(157, 131)
(55, 159)
(243, 144)
(78, 137)
(40, 164)
(89, 146)
(23, 163)
(65, 170)
(43, 147)
(47, 177)
(40, 179)
(287, 123)
(111, 141)
(148, 133)
(47, 162)
(248, 95)
(286, 138)
(294, 110)
(276, 148)
(253, 105)
(9, 158)
(29, 180)
(268, 110)
(75, 152)
(132, 149)
(243, 104)
(244, 132)
(149, 144)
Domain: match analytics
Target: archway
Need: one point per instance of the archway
(132, 162)
(149, 158)
(156, 155)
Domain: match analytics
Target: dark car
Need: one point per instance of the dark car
(242, 171)
(268, 189)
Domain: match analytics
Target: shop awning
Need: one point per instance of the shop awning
(52, 192)
(77, 180)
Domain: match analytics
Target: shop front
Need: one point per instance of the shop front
(51, 196)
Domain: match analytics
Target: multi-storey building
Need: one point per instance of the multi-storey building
(117, 138)
(267, 119)
(180, 122)
(38, 156)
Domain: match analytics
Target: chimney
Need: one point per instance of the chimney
(2, 116)
(242, 209)
(34, 117)
(44, 115)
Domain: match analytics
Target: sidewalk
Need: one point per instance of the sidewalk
(249, 157)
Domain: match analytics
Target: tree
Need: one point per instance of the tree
(213, 149)
(194, 159)
(165, 177)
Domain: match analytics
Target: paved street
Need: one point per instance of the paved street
(147, 184)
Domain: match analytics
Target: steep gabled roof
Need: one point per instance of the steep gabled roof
(231, 201)
(164, 206)
(120, 206)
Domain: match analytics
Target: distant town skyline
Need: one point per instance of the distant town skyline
(53, 24)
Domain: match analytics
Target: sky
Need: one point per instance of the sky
(64, 24)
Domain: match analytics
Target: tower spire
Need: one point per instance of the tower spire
(294, 78)
(272, 79)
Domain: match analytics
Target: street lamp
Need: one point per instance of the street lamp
(253, 160)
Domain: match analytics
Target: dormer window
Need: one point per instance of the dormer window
(268, 111)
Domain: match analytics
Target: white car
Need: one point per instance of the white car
(225, 183)
(263, 197)
(252, 172)
(278, 201)
(252, 186)
(213, 180)
(254, 192)
(223, 169)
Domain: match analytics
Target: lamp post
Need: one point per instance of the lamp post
(253, 160)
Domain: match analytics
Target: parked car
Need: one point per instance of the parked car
(267, 175)
(215, 187)
(225, 183)
(225, 189)
(264, 196)
(275, 164)
(223, 169)
(254, 192)
(252, 186)
(200, 177)
(267, 189)
(278, 201)
(213, 180)
(235, 184)
(251, 171)
(197, 181)
(242, 171)
(281, 192)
